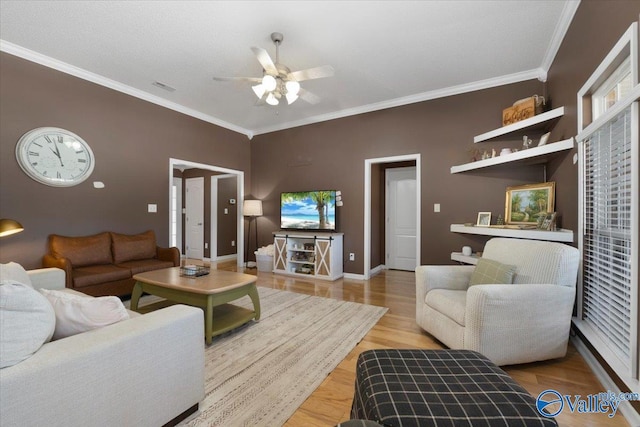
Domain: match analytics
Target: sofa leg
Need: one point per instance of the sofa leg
(177, 420)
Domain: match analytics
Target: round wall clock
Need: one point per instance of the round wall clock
(55, 156)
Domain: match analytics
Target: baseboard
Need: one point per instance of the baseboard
(378, 269)
(629, 413)
(229, 257)
(353, 276)
(373, 272)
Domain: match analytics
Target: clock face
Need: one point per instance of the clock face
(55, 156)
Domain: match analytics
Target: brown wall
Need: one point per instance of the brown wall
(132, 141)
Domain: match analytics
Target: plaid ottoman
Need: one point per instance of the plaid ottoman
(440, 388)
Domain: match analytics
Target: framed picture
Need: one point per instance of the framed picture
(484, 219)
(526, 203)
(544, 139)
(548, 222)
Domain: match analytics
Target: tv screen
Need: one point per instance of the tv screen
(308, 210)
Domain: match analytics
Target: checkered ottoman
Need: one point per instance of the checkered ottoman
(440, 388)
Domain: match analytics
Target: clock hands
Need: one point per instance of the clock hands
(57, 151)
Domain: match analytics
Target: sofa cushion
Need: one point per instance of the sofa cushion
(98, 274)
(15, 272)
(82, 251)
(133, 247)
(27, 322)
(449, 302)
(489, 272)
(77, 313)
(140, 266)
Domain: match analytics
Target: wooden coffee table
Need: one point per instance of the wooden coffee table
(215, 289)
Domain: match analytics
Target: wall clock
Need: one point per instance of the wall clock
(55, 156)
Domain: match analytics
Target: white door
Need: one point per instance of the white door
(194, 220)
(176, 214)
(401, 208)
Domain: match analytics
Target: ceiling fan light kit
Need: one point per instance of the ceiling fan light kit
(278, 81)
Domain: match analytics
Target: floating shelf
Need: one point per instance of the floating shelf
(531, 155)
(467, 259)
(560, 235)
(541, 121)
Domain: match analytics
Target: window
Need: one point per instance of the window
(608, 296)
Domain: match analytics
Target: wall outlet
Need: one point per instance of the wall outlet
(233, 243)
(206, 245)
(152, 208)
(352, 256)
(436, 207)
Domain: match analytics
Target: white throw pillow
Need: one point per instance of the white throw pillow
(76, 314)
(27, 322)
(15, 272)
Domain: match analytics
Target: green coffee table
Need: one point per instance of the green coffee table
(211, 292)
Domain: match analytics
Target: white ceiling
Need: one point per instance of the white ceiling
(385, 53)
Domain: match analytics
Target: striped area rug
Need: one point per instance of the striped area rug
(259, 374)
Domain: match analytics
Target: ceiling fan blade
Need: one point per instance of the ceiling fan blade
(235, 79)
(265, 60)
(308, 96)
(312, 73)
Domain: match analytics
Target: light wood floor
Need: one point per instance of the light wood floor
(331, 402)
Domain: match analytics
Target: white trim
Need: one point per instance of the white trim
(615, 109)
(229, 257)
(55, 64)
(353, 276)
(367, 205)
(174, 163)
(569, 10)
(378, 269)
(629, 413)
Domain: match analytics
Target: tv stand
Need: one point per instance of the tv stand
(308, 253)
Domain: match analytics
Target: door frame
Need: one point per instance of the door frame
(387, 231)
(368, 163)
(186, 164)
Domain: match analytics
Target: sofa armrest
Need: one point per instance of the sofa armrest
(429, 277)
(506, 318)
(49, 261)
(142, 371)
(47, 278)
(168, 254)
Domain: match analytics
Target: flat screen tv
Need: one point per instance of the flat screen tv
(308, 210)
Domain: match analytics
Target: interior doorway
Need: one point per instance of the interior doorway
(181, 165)
(368, 206)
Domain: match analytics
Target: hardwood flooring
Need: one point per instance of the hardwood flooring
(331, 402)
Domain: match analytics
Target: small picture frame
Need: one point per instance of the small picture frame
(548, 222)
(484, 219)
(544, 139)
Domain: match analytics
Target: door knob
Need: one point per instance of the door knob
(199, 223)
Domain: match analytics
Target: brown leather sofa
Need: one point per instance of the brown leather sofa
(103, 264)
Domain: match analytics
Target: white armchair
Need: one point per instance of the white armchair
(519, 323)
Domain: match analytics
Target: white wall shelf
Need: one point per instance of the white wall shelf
(531, 156)
(542, 121)
(560, 235)
(467, 259)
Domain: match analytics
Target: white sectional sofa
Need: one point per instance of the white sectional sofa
(144, 371)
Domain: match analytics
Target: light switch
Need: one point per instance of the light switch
(436, 207)
(226, 211)
(152, 208)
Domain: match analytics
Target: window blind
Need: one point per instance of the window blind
(607, 234)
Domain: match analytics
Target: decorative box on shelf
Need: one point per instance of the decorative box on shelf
(194, 271)
(523, 109)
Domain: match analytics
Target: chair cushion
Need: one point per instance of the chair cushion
(133, 247)
(140, 266)
(15, 272)
(77, 313)
(82, 251)
(490, 272)
(448, 302)
(97, 274)
(27, 322)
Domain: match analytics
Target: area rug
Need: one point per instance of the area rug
(259, 374)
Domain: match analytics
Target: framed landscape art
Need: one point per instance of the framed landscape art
(525, 203)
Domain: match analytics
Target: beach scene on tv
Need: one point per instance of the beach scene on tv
(311, 210)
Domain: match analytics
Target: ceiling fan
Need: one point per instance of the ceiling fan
(278, 81)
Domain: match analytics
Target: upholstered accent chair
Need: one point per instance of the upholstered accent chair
(524, 321)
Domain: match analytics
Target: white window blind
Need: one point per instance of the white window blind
(607, 234)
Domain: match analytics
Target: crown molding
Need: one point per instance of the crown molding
(47, 61)
(537, 73)
(569, 10)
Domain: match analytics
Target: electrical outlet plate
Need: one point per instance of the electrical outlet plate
(352, 256)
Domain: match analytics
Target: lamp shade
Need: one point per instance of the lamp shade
(9, 226)
(252, 208)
